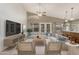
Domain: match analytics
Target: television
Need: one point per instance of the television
(12, 28)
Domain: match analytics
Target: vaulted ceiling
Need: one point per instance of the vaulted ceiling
(54, 9)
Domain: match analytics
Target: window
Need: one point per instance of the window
(48, 27)
(42, 27)
(36, 27)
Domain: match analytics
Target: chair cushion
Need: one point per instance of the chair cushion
(54, 46)
(26, 46)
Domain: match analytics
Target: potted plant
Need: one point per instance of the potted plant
(29, 31)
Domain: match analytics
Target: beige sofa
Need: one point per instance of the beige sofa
(25, 48)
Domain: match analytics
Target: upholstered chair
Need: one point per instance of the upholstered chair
(25, 48)
(39, 42)
(53, 48)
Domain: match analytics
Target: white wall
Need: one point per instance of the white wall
(13, 12)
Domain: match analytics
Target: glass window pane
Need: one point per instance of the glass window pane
(42, 27)
(48, 27)
(36, 27)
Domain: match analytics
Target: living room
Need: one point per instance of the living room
(39, 29)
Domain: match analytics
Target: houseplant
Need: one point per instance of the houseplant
(29, 31)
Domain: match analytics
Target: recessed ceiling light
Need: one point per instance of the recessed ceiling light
(72, 19)
(66, 20)
(39, 14)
